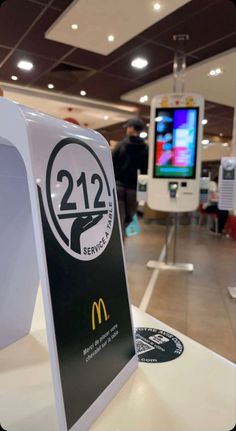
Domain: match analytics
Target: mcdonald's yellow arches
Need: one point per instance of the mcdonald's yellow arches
(98, 307)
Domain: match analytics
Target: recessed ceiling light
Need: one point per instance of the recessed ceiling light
(25, 65)
(159, 118)
(14, 77)
(83, 93)
(139, 63)
(111, 38)
(225, 144)
(50, 86)
(74, 26)
(156, 6)
(215, 72)
(204, 121)
(106, 117)
(221, 134)
(205, 141)
(143, 135)
(143, 99)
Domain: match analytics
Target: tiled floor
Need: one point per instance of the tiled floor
(196, 304)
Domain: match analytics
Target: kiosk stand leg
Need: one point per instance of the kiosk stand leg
(173, 266)
(175, 237)
(167, 236)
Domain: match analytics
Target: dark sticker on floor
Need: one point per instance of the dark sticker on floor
(155, 345)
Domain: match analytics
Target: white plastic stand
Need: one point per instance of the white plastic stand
(17, 248)
(59, 222)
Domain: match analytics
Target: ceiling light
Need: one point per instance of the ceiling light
(50, 86)
(14, 78)
(110, 38)
(106, 117)
(148, 124)
(205, 141)
(215, 72)
(159, 118)
(204, 121)
(143, 135)
(143, 99)
(25, 65)
(225, 144)
(74, 26)
(83, 93)
(139, 63)
(212, 72)
(221, 134)
(156, 6)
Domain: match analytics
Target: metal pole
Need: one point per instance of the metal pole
(167, 234)
(179, 68)
(183, 69)
(175, 237)
(175, 72)
(179, 64)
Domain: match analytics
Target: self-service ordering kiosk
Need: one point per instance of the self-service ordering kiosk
(227, 192)
(227, 184)
(174, 155)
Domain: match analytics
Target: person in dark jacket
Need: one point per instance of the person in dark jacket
(129, 156)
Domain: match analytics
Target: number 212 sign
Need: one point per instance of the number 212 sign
(79, 199)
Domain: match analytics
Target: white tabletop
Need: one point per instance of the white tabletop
(195, 392)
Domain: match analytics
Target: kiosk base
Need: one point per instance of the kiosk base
(188, 267)
(232, 292)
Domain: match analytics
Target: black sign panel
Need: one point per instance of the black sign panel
(87, 283)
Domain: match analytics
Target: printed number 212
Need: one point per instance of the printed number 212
(65, 205)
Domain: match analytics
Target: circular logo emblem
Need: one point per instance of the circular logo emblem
(154, 345)
(79, 199)
(228, 164)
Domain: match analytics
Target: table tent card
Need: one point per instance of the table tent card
(59, 222)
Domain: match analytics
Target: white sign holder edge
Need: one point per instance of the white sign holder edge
(18, 136)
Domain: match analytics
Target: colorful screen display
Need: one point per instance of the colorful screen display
(175, 142)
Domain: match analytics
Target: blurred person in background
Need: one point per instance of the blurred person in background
(129, 156)
(212, 206)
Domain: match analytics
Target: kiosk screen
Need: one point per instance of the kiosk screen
(175, 142)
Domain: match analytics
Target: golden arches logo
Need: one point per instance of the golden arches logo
(97, 309)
